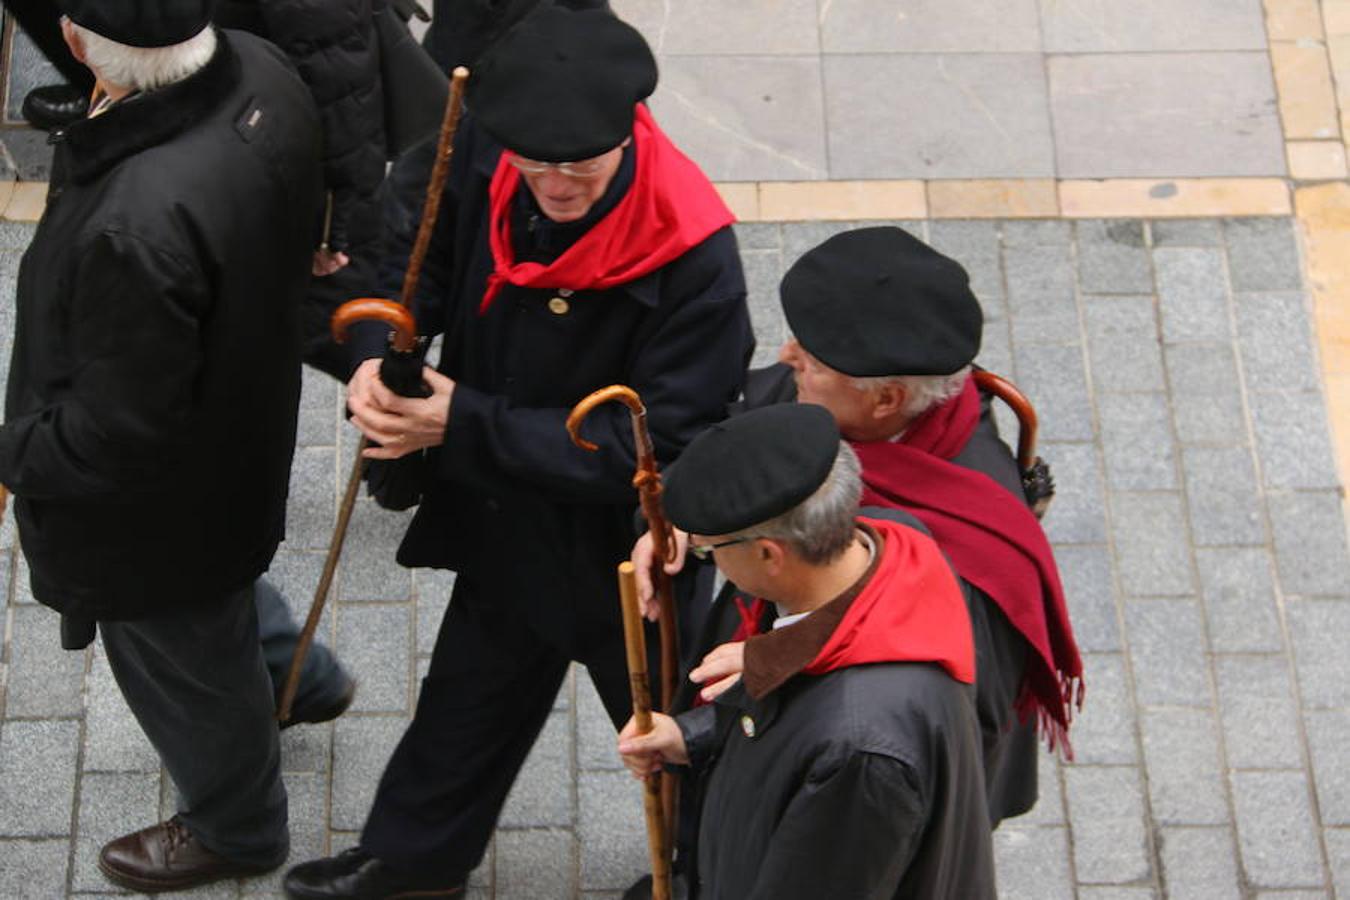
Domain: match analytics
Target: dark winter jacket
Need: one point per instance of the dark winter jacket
(509, 498)
(1010, 746)
(151, 405)
(333, 45)
(864, 783)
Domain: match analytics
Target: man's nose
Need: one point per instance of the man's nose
(790, 353)
(553, 182)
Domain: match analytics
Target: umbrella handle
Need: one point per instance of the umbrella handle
(376, 309)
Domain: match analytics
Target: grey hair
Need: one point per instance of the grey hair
(922, 392)
(145, 68)
(821, 527)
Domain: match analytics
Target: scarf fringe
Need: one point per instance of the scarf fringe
(1052, 725)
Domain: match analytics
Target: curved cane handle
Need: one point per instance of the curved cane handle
(619, 393)
(366, 309)
(1006, 391)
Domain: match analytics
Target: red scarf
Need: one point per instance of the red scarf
(993, 540)
(910, 610)
(669, 208)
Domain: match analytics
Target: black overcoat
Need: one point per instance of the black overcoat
(151, 403)
(864, 783)
(509, 499)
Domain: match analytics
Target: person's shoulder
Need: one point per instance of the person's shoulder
(711, 267)
(895, 515)
(894, 708)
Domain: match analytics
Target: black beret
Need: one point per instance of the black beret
(141, 23)
(879, 301)
(750, 468)
(470, 27)
(562, 83)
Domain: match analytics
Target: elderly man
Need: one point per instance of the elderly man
(576, 247)
(151, 406)
(886, 329)
(846, 762)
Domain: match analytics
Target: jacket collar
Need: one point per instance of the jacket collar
(774, 657)
(96, 145)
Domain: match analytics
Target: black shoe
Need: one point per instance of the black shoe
(313, 713)
(55, 106)
(356, 875)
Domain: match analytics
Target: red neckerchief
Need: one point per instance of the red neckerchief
(911, 610)
(993, 540)
(670, 207)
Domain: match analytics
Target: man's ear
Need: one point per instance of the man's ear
(888, 400)
(73, 40)
(771, 555)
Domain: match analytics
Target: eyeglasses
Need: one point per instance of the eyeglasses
(705, 551)
(581, 168)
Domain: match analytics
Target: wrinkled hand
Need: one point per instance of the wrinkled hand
(643, 558)
(326, 262)
(645, 754)
(719, 670)
(400, 425)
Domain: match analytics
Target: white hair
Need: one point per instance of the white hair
(145, 68)
(821, 527)
(922, 392)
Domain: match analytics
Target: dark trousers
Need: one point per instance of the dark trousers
(42, 22)
(487, 694)
(196, 681)
(321, 680)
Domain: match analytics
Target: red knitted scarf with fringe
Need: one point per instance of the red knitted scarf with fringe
(994, 541)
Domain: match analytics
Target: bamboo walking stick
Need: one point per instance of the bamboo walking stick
(401, 369)
(635, 643)
(647, 480)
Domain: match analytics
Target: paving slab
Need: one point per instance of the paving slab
(1277, 835)
(1198, 862)
(1130, 115)
(1260, 716)
(747, 118)
(1099, 26)
(944, 98)
(927, 26)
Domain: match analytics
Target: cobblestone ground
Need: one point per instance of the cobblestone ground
(1198, 526)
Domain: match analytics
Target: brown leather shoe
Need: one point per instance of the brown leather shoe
(166, 857)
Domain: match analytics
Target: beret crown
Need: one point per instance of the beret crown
(878, 302)
(750, 468)
(141, 23)
(562, 83)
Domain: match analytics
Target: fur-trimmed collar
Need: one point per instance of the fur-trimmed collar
(96, 145)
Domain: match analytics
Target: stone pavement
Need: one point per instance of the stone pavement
(1198, 526)
(1183, 369)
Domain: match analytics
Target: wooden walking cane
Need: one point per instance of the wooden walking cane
(647, 480)
(401, 369)
(635, 643)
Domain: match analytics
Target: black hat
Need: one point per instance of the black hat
(470, 27)
(751, 468)
(562, 83)
(141, 23)
(879, 301)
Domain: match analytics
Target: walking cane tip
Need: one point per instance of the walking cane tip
(460, 72)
